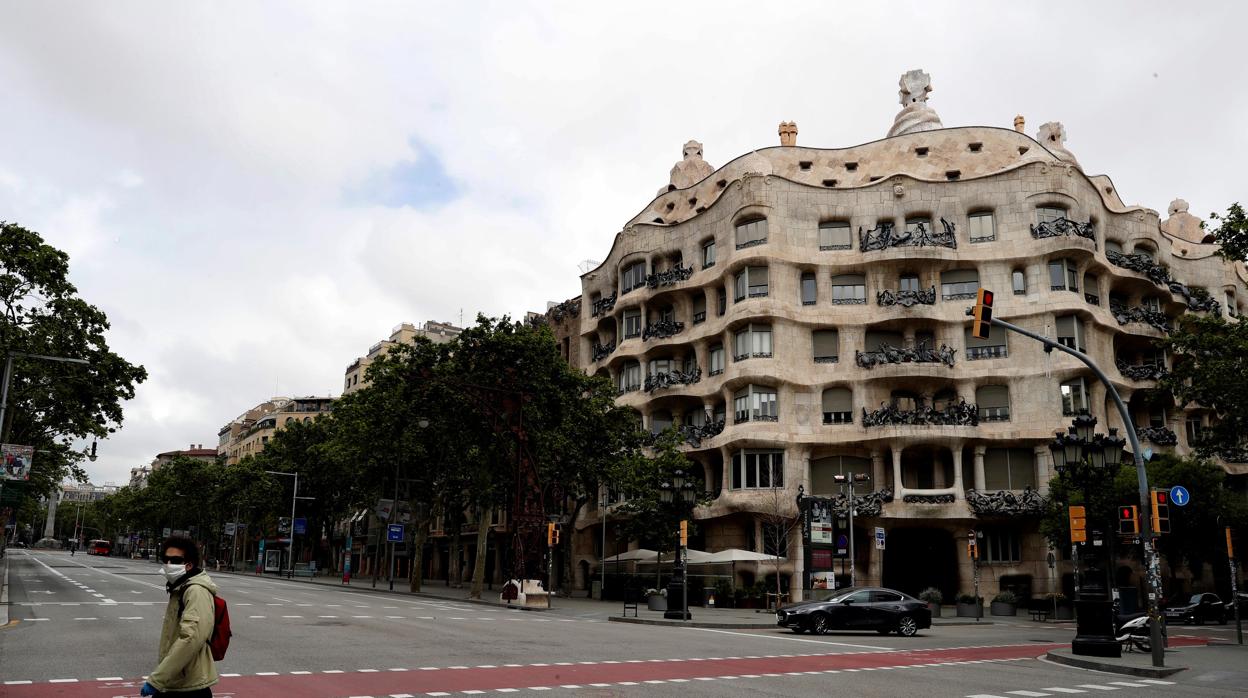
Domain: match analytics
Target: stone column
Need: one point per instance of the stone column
(898, 487)
(1043, 471)
(877, 468)
(726, 481)
(980, 480)
(798, 554)
(938, 473)
(49, 526)
(958, 485)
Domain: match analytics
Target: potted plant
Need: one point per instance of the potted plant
(933, 597)
(723, 593)
(969, 606)
(738, 597)
(1004, 604)
(656, 599)
(1063, 609)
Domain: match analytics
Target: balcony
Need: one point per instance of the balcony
(1063, 227)
(1141, 263)
(1092, 298)
(1148, 316)
(602, 351)
(603, 305)
(907, 298)
(1141, 372)
(838, 417)
(960, 414)
(885, 235)
(671, 277)
(694, 433)
(1029, 502)
(994, 414)
(1161, 436)
(662, 329)
(659, 381)
(990, 352)
(888, 354)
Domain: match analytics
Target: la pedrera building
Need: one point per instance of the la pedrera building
(801, 312)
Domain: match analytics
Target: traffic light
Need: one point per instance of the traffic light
(684, 533)
(983, 314)
(1078, 525)
(552, 534)
(1129, 520)
(1161, 511)
(972, 550)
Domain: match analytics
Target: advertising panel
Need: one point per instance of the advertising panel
(15, 461)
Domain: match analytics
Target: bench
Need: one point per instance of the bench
(1041, 614)
(304, 570)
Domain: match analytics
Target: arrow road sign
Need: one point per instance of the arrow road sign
(1179, 495)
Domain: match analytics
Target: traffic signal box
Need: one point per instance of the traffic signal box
(982, 314)
(972, 550)
(1078, 525)
(684, 533)
(552, 534)
(1129, 520)
(1161, 511)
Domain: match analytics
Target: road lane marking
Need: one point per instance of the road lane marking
(1098, 687)
(1128, 684)
(790, 639)
(1056, 689)
(1028, 694)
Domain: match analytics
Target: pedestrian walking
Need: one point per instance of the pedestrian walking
(186, 668)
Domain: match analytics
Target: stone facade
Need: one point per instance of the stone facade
(821, 328)
(248, 433)
(404, 333)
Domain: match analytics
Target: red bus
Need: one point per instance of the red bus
(99, 547)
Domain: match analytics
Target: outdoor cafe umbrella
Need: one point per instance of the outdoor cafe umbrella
(733, 556)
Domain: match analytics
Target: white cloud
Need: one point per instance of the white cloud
(194, 158)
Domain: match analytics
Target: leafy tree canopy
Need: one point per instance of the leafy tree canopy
(1232, 233)
(1211, 370)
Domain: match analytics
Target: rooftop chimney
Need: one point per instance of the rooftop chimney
(788, 133)
(1020, 124)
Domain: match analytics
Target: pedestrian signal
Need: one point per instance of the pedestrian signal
(983, 314)
(1161, 511)
(1129, 520)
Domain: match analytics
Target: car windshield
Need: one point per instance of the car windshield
(1195, 598)
(844, 594)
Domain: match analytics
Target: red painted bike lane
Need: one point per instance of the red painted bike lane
(452, 680)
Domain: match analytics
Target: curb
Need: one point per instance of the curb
(1081, 663)
(688, 624)
(4, 593)
(417, 594)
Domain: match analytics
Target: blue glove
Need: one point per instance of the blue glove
(147, 690)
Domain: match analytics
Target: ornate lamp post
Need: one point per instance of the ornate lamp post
(844, 481)
(679, 491)
(1089, 461)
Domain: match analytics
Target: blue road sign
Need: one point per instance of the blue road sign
(1179, 495)
(394, 533)
(301, 526)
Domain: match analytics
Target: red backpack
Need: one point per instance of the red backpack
(219, 640)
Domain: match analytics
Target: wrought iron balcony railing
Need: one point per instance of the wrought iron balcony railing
(662, 329)
(694, 434)
(1141, 372)
(1162, 436)
(961, 414)
(1148, 316)
(671, 277)
(659, 381)
(889, 354)
(989, 352)
(1006, 502)
(1063, 227)
(602, 351)
(603, 305)
(906, 298)
(566, 309)
(885, 235)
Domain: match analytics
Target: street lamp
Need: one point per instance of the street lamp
(1089, 460)
(681, 492)
(843, 481)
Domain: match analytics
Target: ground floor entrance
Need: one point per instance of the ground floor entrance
(918, 558)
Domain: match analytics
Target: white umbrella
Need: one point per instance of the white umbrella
(733, 556)
(638, 555)
(695, 557)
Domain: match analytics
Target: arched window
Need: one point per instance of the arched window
(1019, 280)
(633, 276)
(993, 402)
(1049, 214)
(838, 406)
(1113, 246)
(751, 232)
(824, 470)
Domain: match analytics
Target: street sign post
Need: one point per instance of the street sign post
(1180, 496)
(346, 562)
(394, 533)
(879, 538)
(301, 526)
(1230, 558)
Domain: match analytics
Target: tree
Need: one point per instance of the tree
(780, 519)
(1232, 233)
(51, 404)
(1211, 370)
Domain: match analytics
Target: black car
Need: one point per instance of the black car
(861, 608)
(1197, 609)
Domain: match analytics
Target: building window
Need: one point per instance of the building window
(993, 402)
(981, 227)
(913, 225)
(756, 403)
(874, 340)
(1194, 428)
(1113, 246)
(1074, 397)
(699, 308)
(1230, 304)
(809, 290)
(1144, 251)
(751, 233)
(909, 282)
(751, 282)
(1070, 332)
(1092, 289)
(752, 341)
(757, 469)
(722, 303)
(1019, 280)
(630, 376)
(632, 323)
(1063, 275)
(717, 359)
(1049, 214)
(992, 348)
(835, 235)
(708, 254)
(959, 284)
(838, 406)
(1009, 469)
(634, 277)
(658, 366)
(1152, 303)
(826, 343)
(849, 289)
(1001, 545)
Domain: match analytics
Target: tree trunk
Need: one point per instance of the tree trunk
(454, 578)
(418, 554)
(478, 568)
(566, 543)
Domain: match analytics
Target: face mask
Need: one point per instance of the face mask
(172, 571)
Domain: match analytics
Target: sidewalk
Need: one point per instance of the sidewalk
(728, 618)
(1189, 655)
(4, 591)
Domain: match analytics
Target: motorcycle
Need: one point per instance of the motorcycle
(1134, 631)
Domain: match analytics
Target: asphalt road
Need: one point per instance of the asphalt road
(88, 626)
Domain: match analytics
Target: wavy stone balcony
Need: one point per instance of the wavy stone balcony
(1063, 227)
(1006, 502)
(959, 414)
(660, 381)
(1153, 318)
(907, 298)
(920, 354)
(885, 235)
(1161, 436)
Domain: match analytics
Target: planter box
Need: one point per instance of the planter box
(656, 603)
(1003, 609)
(969, 610)
(934, 608)
(1065, 612)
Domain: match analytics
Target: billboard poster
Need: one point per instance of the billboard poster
(15, 461)
(822, 580)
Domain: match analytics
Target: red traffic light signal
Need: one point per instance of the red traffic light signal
(1161, 497)
(982, 313)
(1129, 520)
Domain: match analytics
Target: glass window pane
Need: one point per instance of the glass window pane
(1020, 281)
(825, 344)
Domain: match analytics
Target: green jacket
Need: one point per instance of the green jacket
(185, 659)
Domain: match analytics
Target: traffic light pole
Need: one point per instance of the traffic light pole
(1153, 567)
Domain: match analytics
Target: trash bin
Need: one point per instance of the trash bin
(595, 589)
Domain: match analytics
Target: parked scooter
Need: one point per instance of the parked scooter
(1134, 631)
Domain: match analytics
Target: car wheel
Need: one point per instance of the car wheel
(907, 626)
(819, 625)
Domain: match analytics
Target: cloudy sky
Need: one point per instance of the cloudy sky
(255, 192)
